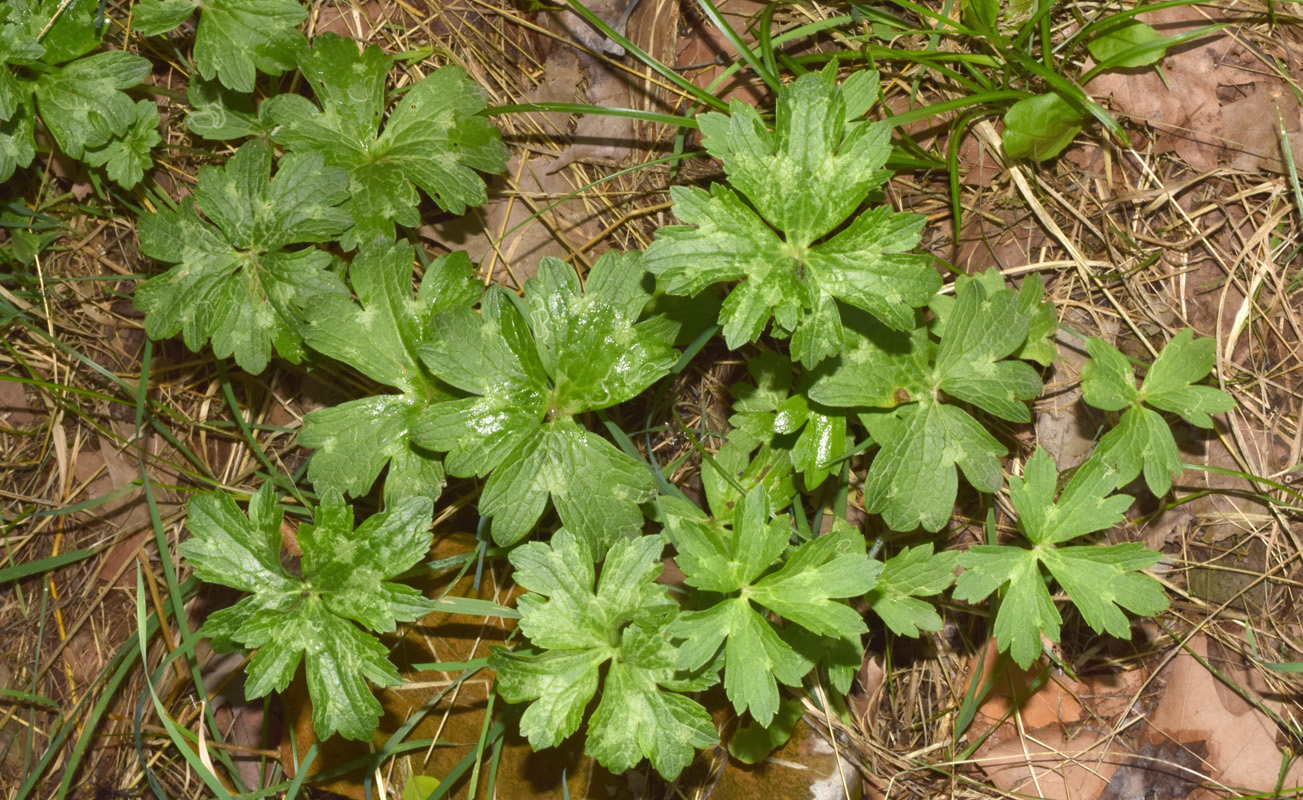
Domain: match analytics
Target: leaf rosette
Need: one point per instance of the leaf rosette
(780, 228)
(322, 615)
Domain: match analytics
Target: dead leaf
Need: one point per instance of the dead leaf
(1185, 111)
(1048, 764)
(1253, 126)
(1241, 740)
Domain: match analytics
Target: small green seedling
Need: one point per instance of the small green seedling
(1099, 580)
(1142, 440)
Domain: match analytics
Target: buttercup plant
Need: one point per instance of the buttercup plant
(873, 371)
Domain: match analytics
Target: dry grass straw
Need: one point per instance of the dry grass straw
(1126, 243)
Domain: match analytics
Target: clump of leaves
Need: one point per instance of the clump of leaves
(1099, 580)
(235, 39)
(434, 139)
(79, 98)
(802, 243)
(234, 280)
(528, 377)
(909, 380)
(747, 570)
(776, 411)
(379, 336)
(1142, 440)
(579, 623)
(314, 616)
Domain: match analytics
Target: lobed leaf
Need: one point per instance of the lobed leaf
(379, 336)
(733, 561)
(583, 623)
(235, 39)
(233, 282)
(803, 181)
(1142, 440)
(288, 619)
(579, 351)
(1099, 580)
(912, 573)
(435, 138)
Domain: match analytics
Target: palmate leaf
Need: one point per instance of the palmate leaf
(234, 282)
(581, 623)
(313, 617)
(737, 562)
(579, 351)
(803, 181)
(908, 381)
(127, 156)
(83, 104)
(1142, 440)
(435, 138)
(379, 336)
(236, 39)
(1099, 580)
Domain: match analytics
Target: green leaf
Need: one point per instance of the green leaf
(127, 156)
(1170, 384)
(17, 141)
(812, 436)
(82, 104)
(65, 29)
(912, 573)
(379, 336)
(803, 181)
(234, 282)
(984, 15)
(435, 138)
(1040, 127)
(734, 468)
(579, 351)
(753, 742)
(18, 46)
(221, 113)
(1114, 36)
(1142, 440)
(733, 562)
(235, 39)
(908, 381)
(1042, 322)
(1084, 506)
(313, 617)
(582, 623)
(1099, 580)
